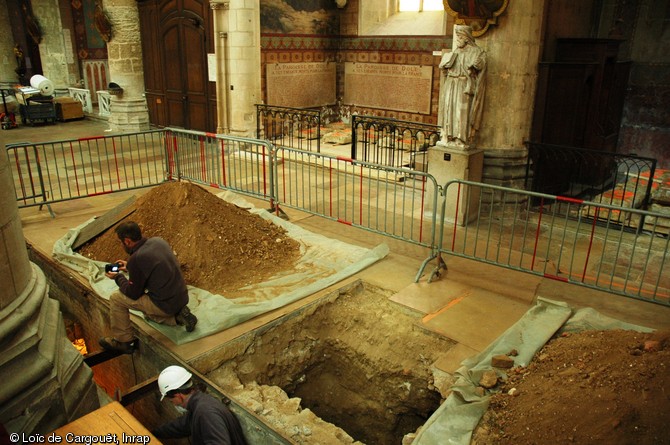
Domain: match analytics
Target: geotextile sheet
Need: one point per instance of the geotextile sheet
(456, 419)
(323, 262)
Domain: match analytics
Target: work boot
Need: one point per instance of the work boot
(185, 318)
(112, 344)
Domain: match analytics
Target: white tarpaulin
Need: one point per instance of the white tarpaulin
(323, 262)
(455, 420)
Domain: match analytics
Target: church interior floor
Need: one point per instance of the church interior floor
(472, 303)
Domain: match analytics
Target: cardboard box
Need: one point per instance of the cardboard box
(68, 108)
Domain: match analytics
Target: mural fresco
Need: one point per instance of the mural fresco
(314, 17)
(90, 44)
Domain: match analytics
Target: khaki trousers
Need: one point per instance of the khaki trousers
(122, 328)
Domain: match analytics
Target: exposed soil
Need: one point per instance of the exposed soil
(220, 246)
(593, 387)
(358, 361)
(363, 365)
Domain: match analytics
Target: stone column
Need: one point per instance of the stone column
(55, 64)
(7, 61)
(514, 49)
(128, 111)
(45, 383)
(243, 76)
(221, 11)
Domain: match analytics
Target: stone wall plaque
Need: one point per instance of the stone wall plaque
(301, 85)
(391, 87)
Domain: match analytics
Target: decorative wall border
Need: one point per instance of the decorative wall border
(275, 42)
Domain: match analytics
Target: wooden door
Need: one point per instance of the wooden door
(176, 42)
(184, 51)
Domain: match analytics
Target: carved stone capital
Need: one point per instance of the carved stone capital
(222, 5)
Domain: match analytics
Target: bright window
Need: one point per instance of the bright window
(420, 5)
(415, 18)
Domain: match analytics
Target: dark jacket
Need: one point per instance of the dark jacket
(208, 422)
(153, 269)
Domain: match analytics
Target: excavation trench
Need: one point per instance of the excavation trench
(355, 366)
(350, 366)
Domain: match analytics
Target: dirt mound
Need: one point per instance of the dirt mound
(220, 246)
(608, 387)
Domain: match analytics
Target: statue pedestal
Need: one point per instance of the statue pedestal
(447, 162)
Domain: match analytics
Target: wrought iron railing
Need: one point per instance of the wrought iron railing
(391, 142)
(289, 127)
(603, 177)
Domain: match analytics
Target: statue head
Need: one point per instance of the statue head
(463, 35)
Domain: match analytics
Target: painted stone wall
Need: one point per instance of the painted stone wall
(645, 126)
(400, 51)
(304, 42)
(7, 61)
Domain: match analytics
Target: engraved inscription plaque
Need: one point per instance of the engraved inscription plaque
(391, 87)
(301, 85)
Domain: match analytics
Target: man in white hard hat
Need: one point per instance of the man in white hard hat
(206, 420)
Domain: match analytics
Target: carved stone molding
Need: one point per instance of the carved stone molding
(222, 5)
(478, 14)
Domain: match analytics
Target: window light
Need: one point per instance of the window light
(420, 5)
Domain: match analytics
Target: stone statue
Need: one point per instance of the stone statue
(462, 89)
(20, 63)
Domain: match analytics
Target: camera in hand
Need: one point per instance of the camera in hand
(114, 267)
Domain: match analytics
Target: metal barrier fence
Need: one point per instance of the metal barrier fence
(391, 142)
(603, 177)
(358, 193)
(51, 172)
(291, 127)
(56, 171)
(234, 163)
(355, 193)
(578, 242)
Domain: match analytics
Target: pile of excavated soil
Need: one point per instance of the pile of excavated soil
(593, 387)
(220, 246)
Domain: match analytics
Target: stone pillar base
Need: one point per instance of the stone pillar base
(45, 381)
(506, 168)
(448, 162)
(129, 115)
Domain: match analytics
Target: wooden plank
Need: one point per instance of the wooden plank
(112, 419)
(139, 391)
(104, 222)
(104, 355)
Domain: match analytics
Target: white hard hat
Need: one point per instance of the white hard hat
(171, 378)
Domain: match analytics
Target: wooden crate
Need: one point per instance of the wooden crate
(68, 108)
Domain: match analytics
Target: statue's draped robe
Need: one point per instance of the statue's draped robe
(462, 92)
